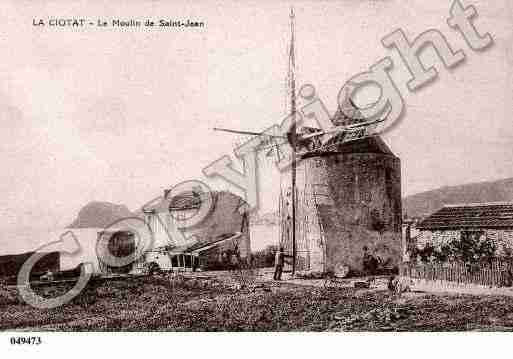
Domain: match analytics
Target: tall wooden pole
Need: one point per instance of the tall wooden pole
(293, 131)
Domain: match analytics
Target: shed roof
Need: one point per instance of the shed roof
(198, 246)
(470, 215)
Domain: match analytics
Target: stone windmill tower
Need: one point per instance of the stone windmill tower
(348, 205)
(341, 202)
(348, 202)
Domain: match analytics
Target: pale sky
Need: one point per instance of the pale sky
(119, 115)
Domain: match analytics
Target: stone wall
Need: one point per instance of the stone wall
(366, 190)
(347, 202)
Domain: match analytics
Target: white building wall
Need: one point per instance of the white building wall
(86, 238)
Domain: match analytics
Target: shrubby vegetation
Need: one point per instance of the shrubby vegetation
(265, 257)
(470, 248)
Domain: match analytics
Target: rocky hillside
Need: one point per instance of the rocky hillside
(424, 203)
(100, 214)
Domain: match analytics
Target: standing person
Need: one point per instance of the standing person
(194, 263)
(278, 264)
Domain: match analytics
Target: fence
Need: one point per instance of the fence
(497, 273)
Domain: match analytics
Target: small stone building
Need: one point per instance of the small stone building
(492, 221)
(219, 238)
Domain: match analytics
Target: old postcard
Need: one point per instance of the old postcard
(273, 166)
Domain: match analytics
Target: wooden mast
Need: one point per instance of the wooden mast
(292, 84)
(291, 135)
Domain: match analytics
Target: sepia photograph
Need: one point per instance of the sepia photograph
(340, 166)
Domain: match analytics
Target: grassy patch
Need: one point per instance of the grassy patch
(180, 304)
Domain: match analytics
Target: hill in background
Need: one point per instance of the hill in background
(425, 203)
(100, 215)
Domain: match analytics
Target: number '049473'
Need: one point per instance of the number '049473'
(26, 340)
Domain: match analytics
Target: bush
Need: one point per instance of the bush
(8, 296)
(471, 247)
(265, 257)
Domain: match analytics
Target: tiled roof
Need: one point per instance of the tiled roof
(472, 215)
(187, 200)
(182, 201)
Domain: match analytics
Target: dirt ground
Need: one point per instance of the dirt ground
(176, 303)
